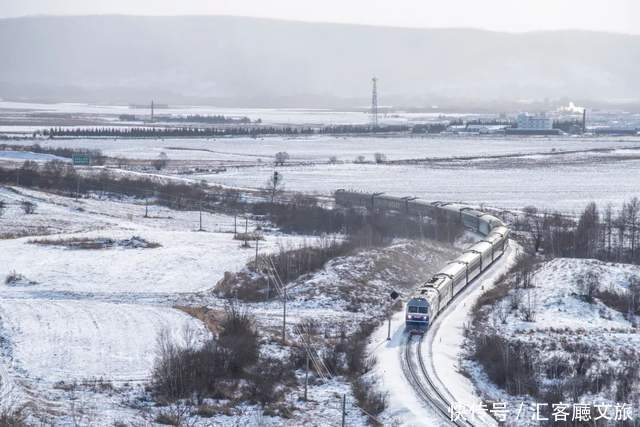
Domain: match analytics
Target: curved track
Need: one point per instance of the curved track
(417, 374)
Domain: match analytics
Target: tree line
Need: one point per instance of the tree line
(193, 118)
(606, 234)
(175, 132)
(207, 132)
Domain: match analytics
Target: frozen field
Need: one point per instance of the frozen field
(320, 148)
(567, 188)
(468, 169)
(76, 340)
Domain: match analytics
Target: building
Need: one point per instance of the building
(530, 122)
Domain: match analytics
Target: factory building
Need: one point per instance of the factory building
(531, 122)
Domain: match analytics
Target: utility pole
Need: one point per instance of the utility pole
(306, 377)
(200, 229)
(235, 225)
(18, 177)
(256, 252)
(146, 208)
(344, 409)
(389, 329)
(77, 188)
(284, 314)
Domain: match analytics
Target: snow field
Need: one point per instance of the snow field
(187, 261)
(89, 314)
(75, 340)
(565, 188)
(318, 148)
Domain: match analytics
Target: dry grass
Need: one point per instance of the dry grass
(211, 318)
(93, 243)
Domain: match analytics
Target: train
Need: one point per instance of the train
(431, 297)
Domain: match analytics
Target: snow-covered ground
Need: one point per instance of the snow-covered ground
(595, 169)
(568, 332)
(82, 314)
(70, 340)
(319, 148)
(566, 188)
(22, 156)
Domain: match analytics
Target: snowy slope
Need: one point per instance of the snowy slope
(75, 340)
(570, 329)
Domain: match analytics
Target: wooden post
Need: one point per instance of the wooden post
(306, 377)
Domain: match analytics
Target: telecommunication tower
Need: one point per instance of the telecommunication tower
(374, 102)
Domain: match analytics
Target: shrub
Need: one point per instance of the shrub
(509, 365)
(266, 376)
(12, 417)
(183, 371)
(28, 207)
(238, 339)
(372, 401)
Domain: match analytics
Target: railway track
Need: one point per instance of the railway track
(417, 374)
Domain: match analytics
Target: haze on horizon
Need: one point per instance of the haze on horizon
(498, 15)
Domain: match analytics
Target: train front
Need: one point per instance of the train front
(417, 315)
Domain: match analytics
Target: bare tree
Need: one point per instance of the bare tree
(515, 298)
(3, 206)
(502, 312)
(633, 219)
(380, 158)
(530, 307)
(274, 186)
(587, 232)
(359, 159)
(607, 229)
(588, 285)
(162, 161)
(537, 222)
(333, 160)
(281, 158)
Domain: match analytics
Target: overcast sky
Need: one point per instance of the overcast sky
(501, 15)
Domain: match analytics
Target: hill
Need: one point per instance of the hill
(249, 61)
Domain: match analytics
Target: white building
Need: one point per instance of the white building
(531, 122)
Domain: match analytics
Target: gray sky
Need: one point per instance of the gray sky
(500, 15)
